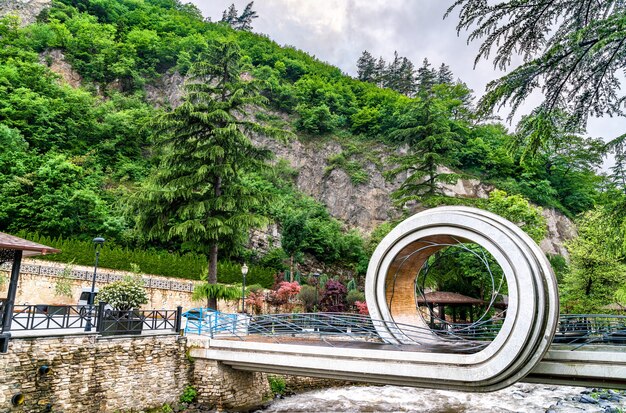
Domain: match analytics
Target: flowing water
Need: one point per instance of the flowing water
(518, 398)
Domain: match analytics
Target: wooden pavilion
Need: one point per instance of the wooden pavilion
(443, 299)
(13, 249)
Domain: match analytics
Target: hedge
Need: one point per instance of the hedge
(157, 262)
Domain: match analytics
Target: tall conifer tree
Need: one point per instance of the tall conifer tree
(196, 195)
(366, 67)
(244, 22)
(426, 78)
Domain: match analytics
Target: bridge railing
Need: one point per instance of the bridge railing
(467, 338)
(591, 329)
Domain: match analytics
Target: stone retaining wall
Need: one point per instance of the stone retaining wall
(38, 280)
(299, 384)
(93, 375)
(224, 388)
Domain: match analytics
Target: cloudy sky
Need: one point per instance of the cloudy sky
(337, 31)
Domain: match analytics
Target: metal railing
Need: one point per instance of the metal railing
(75, 318)
(585, 329)
(330, 327)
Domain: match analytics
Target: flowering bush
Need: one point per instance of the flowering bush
(362, 307)
(255, 301)
(124, 295)
(285, 295)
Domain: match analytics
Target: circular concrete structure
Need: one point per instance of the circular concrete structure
(532, 313)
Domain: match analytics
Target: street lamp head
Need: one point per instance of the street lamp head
(244, 269)
(98, 240)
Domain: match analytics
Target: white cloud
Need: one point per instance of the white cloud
(337, 31)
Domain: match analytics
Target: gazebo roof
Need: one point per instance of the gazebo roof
(29, 248)
(446, 298)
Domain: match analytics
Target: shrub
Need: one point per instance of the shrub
(362, 307)
(189, 395)
(124, 295)
(256, 300)
(229, 272)
(277, 384)
(334, 297)
(354, 296)
(308, 296)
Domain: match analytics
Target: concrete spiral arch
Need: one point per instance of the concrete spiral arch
(532, 314)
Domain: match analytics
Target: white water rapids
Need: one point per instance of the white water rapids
(518, 398)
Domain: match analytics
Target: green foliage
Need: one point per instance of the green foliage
(63, 283)
(275, 259)
(517, 210)
(114, 256)
(124, 295)
(354, 296)
(559, 265)
(78, 154)
(215, 292)
(277, 384)
(189, 394)
(308, 295)
(574, 60)
(229, 272)
(596, 270)
(433, 138)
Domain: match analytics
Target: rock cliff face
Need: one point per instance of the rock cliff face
(367, 205)
(26, 10)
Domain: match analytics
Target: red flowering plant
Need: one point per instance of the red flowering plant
(285, 295)
(361, 307)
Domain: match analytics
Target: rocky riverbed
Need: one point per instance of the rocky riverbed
(520, 398)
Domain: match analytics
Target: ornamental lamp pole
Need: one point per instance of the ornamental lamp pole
(317, 283)
(98, 245)
(244, 272)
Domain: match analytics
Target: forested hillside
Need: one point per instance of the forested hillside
(75, 161)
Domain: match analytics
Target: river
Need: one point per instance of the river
(520, 398)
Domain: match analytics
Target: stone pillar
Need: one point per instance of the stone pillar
(225, 388)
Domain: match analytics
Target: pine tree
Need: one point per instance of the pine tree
(230, 16)
(366, 67)
(196, 195)
(444, 75)
(406, 78)
(244, 22)
(426, 79)
(433, 140)
(392, 79)
(573, 51)
(380, 72)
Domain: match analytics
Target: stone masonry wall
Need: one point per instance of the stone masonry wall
(93, 375)
(299, 384)
(225, 388)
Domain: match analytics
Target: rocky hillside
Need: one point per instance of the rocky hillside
(363, 204)
(27, 10)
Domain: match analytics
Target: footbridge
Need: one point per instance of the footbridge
(515, 334)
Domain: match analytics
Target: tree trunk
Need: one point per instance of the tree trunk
(291, 269)
(213, 249)
(212, 276)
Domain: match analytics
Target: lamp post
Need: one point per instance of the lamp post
(98, 245)
(317, 283)
(244, 271)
